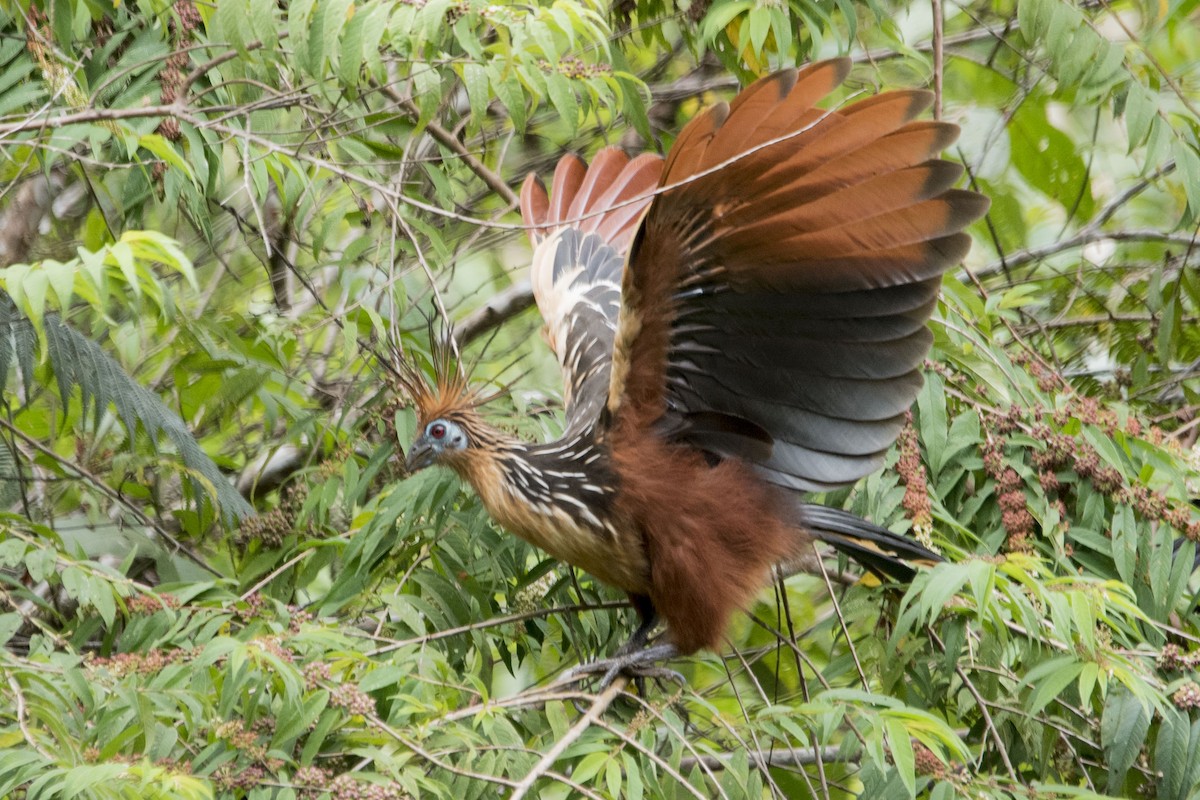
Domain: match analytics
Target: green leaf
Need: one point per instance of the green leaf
(475, 80)
(1140, 112)
(1188, 163)
(1049, 680)
(10, 623)
(1123, 729)
(1177, 755)
(61, 278)
(563, 98)
(299, 17)
(902, 754)
(264, 22)
(1048, 159)
(719, 16)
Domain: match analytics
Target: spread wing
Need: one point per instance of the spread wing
(782, 296)
(581, 234)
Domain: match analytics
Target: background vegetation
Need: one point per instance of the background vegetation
(220, 222)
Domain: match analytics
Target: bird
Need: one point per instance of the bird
(739, 324)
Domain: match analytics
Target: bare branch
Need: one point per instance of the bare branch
(500, 309)
(774, 757)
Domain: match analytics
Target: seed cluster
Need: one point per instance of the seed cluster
(1010, 490)
(151, 603)
(1066, 452)
(1060, 458)
(1188, 697)
(273, 527)
(1173, 659)
(574, 67)
(270, 528)
(353, 700)
(917, 505)
(171, 78)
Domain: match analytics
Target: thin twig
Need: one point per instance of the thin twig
(498, 310)
(275, 573)
(862, 675)
(938, 57)
(22, 723)
(451, 142)
(1083, 237)
(792, 757)
(983, 710)
(111, 493)
(676, 775)
(599, 706)
(491, 623)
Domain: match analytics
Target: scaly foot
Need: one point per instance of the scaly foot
(636, 664)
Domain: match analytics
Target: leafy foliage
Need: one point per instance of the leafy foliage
(220, 222)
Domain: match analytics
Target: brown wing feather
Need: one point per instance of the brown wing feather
(581, 231)
(790, 288)
(535, 206)
(568, 177)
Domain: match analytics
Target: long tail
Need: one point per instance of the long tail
(888, 555)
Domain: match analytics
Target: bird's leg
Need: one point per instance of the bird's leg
(634, 658)
(637, 664)
(649, 619)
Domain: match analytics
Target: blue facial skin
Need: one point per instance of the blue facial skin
(440, 436)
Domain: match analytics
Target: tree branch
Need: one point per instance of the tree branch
(449, 140)
(774, 757)
(1083, 237)
(500, 309)
(601, 704)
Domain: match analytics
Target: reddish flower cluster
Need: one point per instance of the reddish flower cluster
(1188, 696)
(316, 780)
(457, 11)
(347, 787)
(270, 528)
(1066, 452)
(1173, 659)
(1157, 507)
(234, 733)
(917, 504)
(253, 608)
(1047, 379)
(239, 776)
(147, 663)
(574, 67)
(150, 603)
(354, 700)
(297, 618)
(316, 673)
(926, 763)
(1010, 490)
(172, 76)
(310, 776)
(272, 645)
(1088, 411)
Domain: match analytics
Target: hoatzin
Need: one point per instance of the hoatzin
(737, 324)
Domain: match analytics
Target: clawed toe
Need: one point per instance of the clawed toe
(638, 665)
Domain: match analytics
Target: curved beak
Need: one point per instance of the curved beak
(420, 456)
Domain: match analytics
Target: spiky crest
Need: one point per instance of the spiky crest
(445, 388)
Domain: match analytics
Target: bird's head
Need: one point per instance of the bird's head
(440, 441)
(450, 429)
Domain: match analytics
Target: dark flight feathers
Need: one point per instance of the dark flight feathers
(775, 294)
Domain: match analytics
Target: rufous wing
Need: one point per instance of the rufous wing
(784, 276)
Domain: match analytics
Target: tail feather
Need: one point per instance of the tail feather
(888, 555)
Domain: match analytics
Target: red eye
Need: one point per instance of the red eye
(437, 430)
